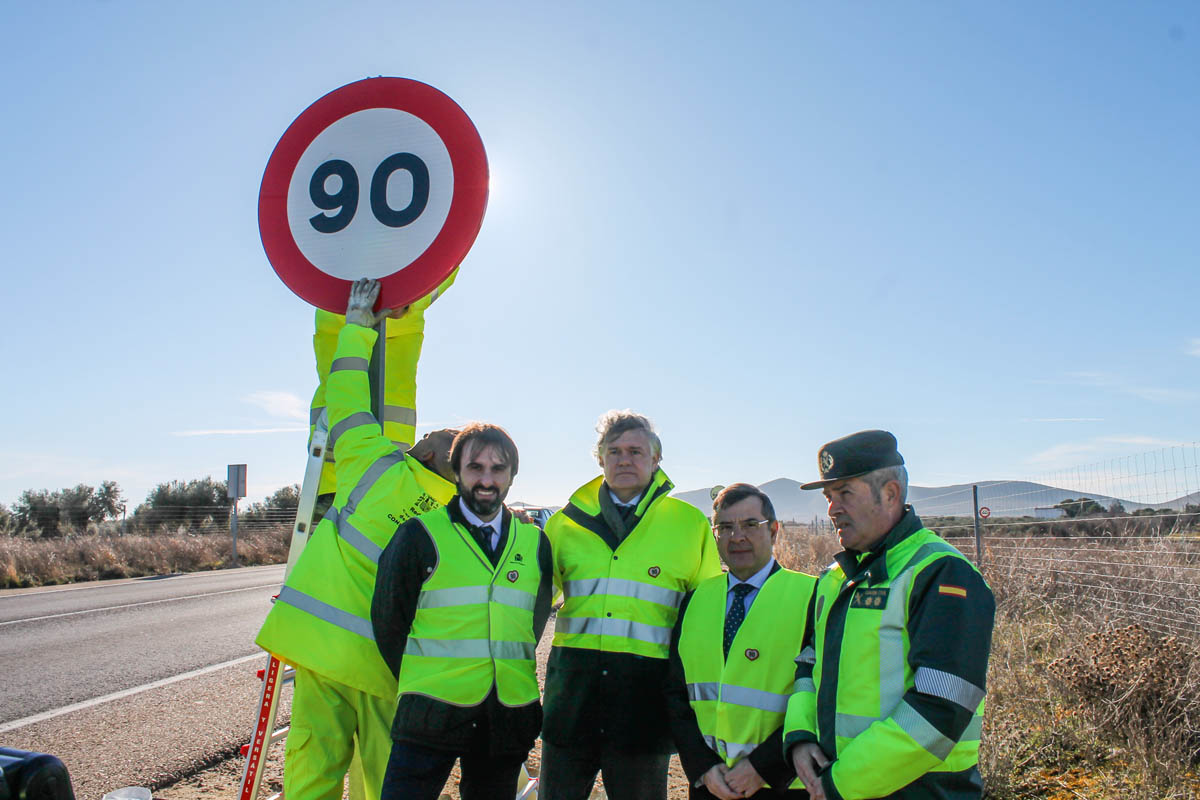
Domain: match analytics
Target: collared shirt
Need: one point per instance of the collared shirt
(622, 504)
(473, 519)
(756, 580)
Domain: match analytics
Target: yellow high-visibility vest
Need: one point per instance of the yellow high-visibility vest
(474, 622)
(741, 700)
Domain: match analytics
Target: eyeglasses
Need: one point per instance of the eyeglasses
(747, 525)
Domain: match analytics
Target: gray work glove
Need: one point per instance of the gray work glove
(363, 295)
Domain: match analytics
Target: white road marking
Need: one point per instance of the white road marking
(107, 584)
(143, 603)
(45, 715)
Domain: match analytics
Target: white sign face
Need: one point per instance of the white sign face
(370, 194)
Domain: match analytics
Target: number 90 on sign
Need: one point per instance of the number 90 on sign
(409, 195)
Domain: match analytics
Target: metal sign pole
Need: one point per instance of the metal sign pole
(376, 371)
(978, 531)
(233, 530)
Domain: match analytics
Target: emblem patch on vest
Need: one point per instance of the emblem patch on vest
(752, 654)
(517, 558)
(869, 598)
(654, 572)
(513, 575)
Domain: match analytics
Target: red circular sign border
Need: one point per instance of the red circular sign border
(985, 512)
(453, 241)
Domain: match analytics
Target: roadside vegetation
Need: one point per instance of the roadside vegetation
(1084, 699)
(1088, 694)
(85, 533)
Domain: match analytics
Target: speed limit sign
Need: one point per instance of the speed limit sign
(985, 512)
(384, 178)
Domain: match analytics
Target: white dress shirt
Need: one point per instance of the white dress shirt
(756, 580)
(474, 520)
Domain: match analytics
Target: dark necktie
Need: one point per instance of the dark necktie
(483, 535)
(626, 513)
(737, 613)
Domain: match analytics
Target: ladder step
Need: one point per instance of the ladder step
(275, 737)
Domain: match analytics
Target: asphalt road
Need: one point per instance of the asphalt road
(133, 682)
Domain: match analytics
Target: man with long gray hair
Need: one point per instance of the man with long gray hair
(625, 554)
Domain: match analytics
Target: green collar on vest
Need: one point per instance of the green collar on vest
(874, 561)
(587, 497)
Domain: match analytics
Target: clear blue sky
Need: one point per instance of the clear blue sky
(764, 225)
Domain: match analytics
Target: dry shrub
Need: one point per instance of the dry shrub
(801, 548)
(100, 555)
(1142, 687)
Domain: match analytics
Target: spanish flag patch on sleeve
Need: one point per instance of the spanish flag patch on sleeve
(956, 591)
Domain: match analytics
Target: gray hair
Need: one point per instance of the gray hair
(614, 423)
(880, 477)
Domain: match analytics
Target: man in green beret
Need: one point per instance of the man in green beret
(889, 689)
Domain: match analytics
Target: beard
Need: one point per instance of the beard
(483, 508)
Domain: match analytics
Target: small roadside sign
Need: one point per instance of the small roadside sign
(384, 178)
(985, 512)
(236, 481)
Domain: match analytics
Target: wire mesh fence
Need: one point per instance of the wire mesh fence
(1120, 536)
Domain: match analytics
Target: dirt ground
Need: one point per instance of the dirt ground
(224, 779)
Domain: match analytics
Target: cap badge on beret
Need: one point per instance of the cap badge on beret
(855, 455)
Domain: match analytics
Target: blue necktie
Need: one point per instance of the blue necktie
(737, 613)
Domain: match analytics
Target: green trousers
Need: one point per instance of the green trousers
(328, 719)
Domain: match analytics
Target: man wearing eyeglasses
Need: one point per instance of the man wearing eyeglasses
(733, 658)
(625, 554)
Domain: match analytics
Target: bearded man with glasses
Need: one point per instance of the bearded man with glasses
(733, 655)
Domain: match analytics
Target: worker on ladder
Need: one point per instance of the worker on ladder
(345, 694)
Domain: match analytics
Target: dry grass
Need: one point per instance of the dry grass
(1083, 702)
(98, 556)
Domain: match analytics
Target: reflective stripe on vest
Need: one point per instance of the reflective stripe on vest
(627, 600)
(739, 699)
(469, 648)
(739, 695)
(474, 623)
(326, 613)
(610, 626)
(623, 588)
(732, 750)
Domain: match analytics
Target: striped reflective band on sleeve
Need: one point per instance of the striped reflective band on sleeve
(623, 587)
(470, 648)
(948, 687)
(700, 692)
(348, 362)
(353, 536)
(327, 613)
(805, 685)
(400, 414)
(475, 595)
(314, 414)
(611, 626)
(352, 421)
(373, 473)
(922, 732)
(851, 725)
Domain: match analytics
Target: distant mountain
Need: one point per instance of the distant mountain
(1004, 498)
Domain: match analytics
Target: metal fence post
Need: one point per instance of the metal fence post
(978, 530)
